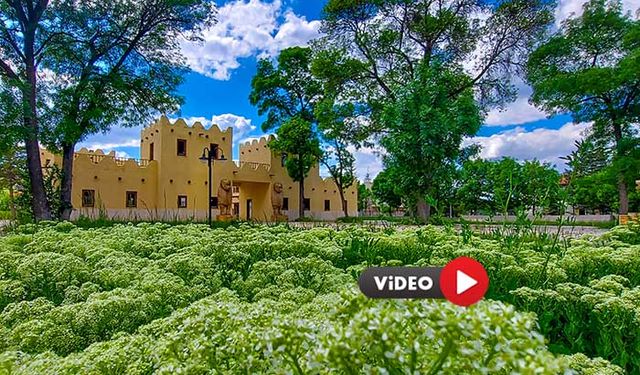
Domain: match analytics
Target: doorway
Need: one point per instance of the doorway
(249, 209)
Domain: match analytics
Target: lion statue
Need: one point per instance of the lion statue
(224, 197)
(276, 198)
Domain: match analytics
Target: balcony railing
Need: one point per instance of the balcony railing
(97, 158)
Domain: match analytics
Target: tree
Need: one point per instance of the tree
(588, 158)
(28, 30)
(339, 118)
(121, 63)
(474, 193)
(404, 43)
(364, 196)
(287, 95)
(384, 192)
(10, 175)
(590, 68)
(425, 126)
(541, 188)
(298, 140)
(506, 186)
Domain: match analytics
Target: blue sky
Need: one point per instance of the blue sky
(217, 88)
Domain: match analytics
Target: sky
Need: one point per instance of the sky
(216, 90)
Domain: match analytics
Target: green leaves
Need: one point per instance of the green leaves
(425, 129)
(153, 302)
(589, 68)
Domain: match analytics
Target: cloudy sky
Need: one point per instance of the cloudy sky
(217, 88)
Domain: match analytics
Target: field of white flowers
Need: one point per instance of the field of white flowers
(156, 298)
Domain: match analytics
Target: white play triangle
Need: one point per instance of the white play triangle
(464, 282)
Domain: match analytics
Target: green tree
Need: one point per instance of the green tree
(405, 43)
(339, 117)
(384, 192)
(594, 192)
(541, 188)
(587, 158)
(364, 196)
(11, 165)
(299, 141)
(591, 69)
(425, 127)
(29, 30)
(121, 66)
(286, 93)
(475, 187)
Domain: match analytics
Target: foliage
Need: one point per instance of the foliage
(364, 196)
(410, 76)
(287, 93)
(296, 138)
(384, 192)
(590, 68)
(505, 186)
(163, 298)
(425, 129)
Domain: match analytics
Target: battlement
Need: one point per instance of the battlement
(99, 157)
(164, 123)
(258, 142)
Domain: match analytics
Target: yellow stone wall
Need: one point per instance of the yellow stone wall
(160, 181)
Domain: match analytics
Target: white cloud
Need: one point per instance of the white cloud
(516, 113)
(246, 28)
(546, 145)
(118, 137)
(368, 160)
(573, 8)
(240, 124)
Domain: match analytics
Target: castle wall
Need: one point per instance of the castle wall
(164, 175)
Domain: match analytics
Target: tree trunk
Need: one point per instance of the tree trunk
(343, 202)
(423, 209)
(623, 195)
(301, 198)
(39, 203)
(67, 179)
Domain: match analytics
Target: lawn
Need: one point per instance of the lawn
(158, 298)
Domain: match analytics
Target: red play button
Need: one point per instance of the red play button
(464, 281)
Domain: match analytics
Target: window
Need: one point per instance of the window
(283, 159)
(151, 151)
(327, 205)
(215, 150)
(182, 147)
(307, 204)
(182, 201)
(285, 204)
(214, 202)
(132, 199)
(88, 198)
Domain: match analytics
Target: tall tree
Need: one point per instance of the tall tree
(587, 158)
(398, 41)
(425, 126)
(121, 65)
(287, 94)
(339, 116)
(297, 139)
(591, 69)
(541, 187)
(28, 29)
(385, 193)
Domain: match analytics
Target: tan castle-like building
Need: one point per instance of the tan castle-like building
(170, 182)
